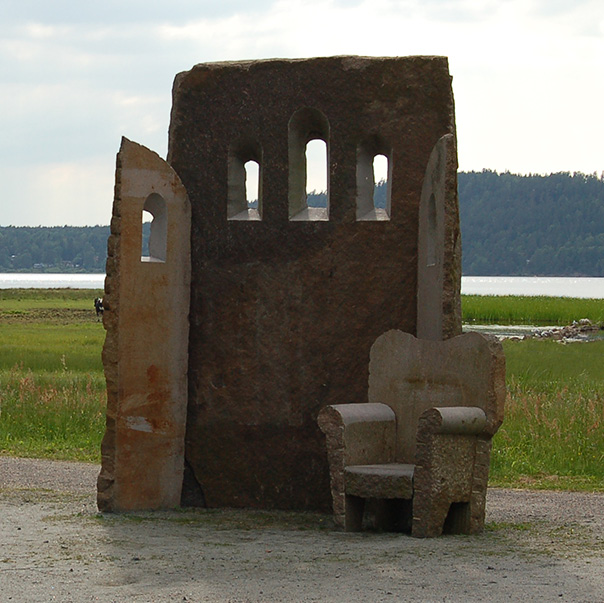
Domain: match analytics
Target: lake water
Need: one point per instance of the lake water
(51, 281)
(470, 285)
(553, 286)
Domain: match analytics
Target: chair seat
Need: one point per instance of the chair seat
(390, 480)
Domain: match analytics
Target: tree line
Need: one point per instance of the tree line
(511, 225)
(53, 249)
(532, 225)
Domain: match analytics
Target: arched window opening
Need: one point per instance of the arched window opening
(431, 238)
(252, 171)
(245, 182)
(308, 166)
(316, 174)
(156, 249)
(380, 178)
(373, 181)
(147, 218)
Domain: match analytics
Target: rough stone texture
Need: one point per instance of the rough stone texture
(413, 375)
(355, 434)
(283, 313)
(439, 247)
(448, 401)
(145, 352)
(451, 467)
(391, 480)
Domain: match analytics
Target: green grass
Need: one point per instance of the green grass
(527, 310)
(553, 433)
(57, 414)
(52, 389)
(23, 299)
(548, 366)
(44, 347)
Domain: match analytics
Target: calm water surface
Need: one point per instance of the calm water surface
(51, 281)
(553, 286)
(470, 285)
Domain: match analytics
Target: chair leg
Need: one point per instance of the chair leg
(386, 514)
(353, 521)
(428, 518)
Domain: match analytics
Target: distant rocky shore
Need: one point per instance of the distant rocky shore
(579, 330)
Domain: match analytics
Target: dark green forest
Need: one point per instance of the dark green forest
(53, 249)
(511, 225)
(532, 225)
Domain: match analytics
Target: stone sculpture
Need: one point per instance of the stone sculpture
(285, 300)
(421, 446)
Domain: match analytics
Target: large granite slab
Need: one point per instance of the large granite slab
(284, 312)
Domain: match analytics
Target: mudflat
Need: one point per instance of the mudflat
(55, 546)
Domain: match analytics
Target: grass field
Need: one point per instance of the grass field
(52, 389)
(553, 432)
(525, 310)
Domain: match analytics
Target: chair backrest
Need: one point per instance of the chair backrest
(412, 375)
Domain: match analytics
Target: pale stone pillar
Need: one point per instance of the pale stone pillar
(439, 246)
(146, 349)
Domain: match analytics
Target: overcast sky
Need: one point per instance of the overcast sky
(528, 79)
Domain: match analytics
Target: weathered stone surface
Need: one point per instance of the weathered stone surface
(412, 375)
(145, 354)
(447, 397)
(451, 471)
(284, 312)
(439, 247)
(355, 434)
(392, 480)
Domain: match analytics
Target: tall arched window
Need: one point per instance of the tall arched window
(245, 181)
(252, 183)
(373, 180)
(155, 206)
(306, 125)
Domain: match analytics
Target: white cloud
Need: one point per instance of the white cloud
(78, 193)
(76, 76)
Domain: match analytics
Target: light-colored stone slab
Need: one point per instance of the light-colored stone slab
(145, 354)
(439, 246)
(412, 375)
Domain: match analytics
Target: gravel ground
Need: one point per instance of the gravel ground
(55, 546)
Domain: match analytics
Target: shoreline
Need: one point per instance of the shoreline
(582, 287)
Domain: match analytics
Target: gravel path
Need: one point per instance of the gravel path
(538, 546)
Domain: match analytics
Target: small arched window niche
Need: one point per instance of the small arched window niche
(155, 207)
(374, 176)
(244, 200)
(308, 125)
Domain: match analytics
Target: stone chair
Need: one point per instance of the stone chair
(418, 452)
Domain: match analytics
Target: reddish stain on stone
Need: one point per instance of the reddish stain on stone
(153, 374)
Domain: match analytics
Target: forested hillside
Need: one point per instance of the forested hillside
(511, 225)
(532, 225)
(53, 249)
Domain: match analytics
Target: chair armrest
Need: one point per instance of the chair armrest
(355, 434)
(461, 420)
(362, 434)
(451, 466)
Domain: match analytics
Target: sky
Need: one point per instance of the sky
(528, 80)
